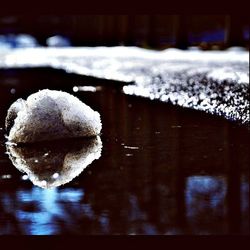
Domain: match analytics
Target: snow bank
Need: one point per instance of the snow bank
(221, 78)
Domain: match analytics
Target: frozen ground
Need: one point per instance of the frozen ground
(216, 82)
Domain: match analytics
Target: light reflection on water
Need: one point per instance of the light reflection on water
(37, 208)
(43, 211)
(210, 190)
(205, 198)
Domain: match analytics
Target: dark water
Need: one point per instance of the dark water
(162, 170)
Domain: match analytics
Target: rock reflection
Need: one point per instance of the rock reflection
(51, 164)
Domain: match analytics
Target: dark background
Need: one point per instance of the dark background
(148, 31)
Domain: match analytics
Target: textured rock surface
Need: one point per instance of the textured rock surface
(49, 164)
(49, 115)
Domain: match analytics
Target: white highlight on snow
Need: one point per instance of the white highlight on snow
(223, 74)
(55, 175)
(25, 177)
(125, 52)
(117, 63)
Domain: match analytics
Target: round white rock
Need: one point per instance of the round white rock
(49, 115)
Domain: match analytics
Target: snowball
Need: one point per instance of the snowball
(49, 115)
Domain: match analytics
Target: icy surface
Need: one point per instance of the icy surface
(48, 115)
(216, 82)
(50, 165)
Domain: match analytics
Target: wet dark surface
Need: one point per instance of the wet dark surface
(162, 170)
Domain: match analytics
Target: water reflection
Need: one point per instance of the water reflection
(38, 211)
(81, 211)
(163, 170)
(205, 202)
(52, 164)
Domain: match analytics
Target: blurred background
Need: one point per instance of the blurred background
(147, 31)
